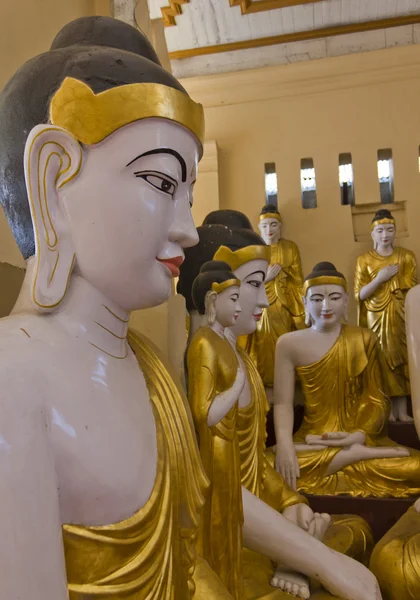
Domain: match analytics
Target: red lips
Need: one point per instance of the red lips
(172, 264)
(258, 316)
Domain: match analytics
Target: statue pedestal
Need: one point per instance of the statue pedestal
(404, 434)
(380, 513)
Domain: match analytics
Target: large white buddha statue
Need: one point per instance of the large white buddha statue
(102, 482)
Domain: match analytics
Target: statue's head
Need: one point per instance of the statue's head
(270, 224)
(383, 230)
(325, 297)
(248, 258)
(215, 293)
(210, 238)
(108, 143)
(234, 219)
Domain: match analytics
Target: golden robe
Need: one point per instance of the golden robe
(212, 369)
(285, 312)
(343, 392)
(384, 313)
(396, 559)
(151, 555)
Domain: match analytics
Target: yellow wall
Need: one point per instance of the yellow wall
(319, 109)
(27, 28)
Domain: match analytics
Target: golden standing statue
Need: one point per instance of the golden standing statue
(383, 277)
(284, 291)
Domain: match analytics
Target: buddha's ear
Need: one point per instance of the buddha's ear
(52, 158)
(210, 306)
(346, 309)
(308, 320)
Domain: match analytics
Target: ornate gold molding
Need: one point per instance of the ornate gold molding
(298, 36)
(253, 6)
(173, 10)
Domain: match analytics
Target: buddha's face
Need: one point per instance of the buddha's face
(252, 297)
(227, 306)
(326, 305)
(128, 211)
(383, 236)
(270, 230)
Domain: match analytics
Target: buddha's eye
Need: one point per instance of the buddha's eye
(255, 283)
(161, 182)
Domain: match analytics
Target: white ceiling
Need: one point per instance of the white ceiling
(212, 22)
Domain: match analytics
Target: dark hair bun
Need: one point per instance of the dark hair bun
(382, 213)
(234, 219)
(269, 208)
(106, 32)
(214, 265)
(324, 266)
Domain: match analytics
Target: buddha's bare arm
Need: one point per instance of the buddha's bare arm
(269, 533)
(31, 550)
(284, 389)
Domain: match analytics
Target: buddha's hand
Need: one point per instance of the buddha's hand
(315, 524)
(272, 272)
(287, 463)
(337, 439)
(387, 273)
(239, 384)
(417, 505)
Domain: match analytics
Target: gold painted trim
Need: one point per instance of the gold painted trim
(124, 337)
(382, 222)
(108, 354)
(270, 216)
(324, 280)
(114, 315)
(298, 36)
(239, 257)
(170, 12)
(221, 287)
(253, 6)
(93, 117)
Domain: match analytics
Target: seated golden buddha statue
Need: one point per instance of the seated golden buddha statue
(257, 476)
(283, 285)
(396, 558)
(102, 478)
(383, 277)
(342, 446)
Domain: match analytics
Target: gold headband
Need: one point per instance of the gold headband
(243, 255)
(271, 216)
(324, 280)
(220, 287)
(93, 117)
(382, 222)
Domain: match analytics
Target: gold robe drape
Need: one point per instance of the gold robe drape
(396, 559)
(285, 312)
(384, 313)
(151, 555)
(344, 392)
(212, 369)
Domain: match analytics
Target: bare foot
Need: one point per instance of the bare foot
(319, 526)
(405, 419)
(348, 579)
(294, 583)
(369, 452)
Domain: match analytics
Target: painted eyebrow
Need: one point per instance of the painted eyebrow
(165, 151)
